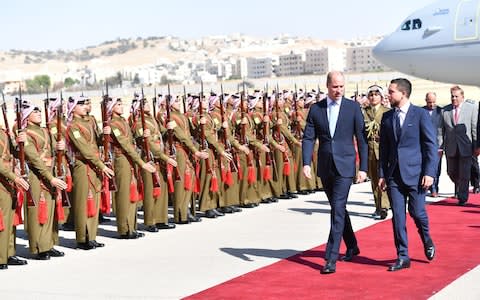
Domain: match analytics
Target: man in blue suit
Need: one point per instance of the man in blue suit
(408, 163)
(336, 122)
(435, 112)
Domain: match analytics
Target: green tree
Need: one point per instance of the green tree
(38, 84)
(69, 81)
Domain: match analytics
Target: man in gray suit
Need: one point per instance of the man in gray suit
(459, 132)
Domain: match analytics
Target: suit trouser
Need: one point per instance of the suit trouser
(399, 193)
(337, 189)
(475, 172)
(434, 187)
(458, 169)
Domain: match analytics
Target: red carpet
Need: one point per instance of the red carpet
(454, 229)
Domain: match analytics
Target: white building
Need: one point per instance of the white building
(360, 59)
(256, 67)
(290, 65)
(324, 60)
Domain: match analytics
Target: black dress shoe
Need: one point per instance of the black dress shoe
(476, 190)
(210, 214)
(151, 228)
(102, 219)
(304, 192)
(292, 195)
(430, 252)
(55, 253)
(163, 226)
(85, 246)
(182, 222)
(284, 196)
(226, 210)
(273, 199)
(3, 266)
(248, 205)
(43, 256)
(16, 261)
(68, 227)
(462, 202)
(400, 264)
(235, 208)
(329, 268)
(350, 253)
(265, 201)
(97, 244)
(218, 213)
(129, 236)
(382, 214)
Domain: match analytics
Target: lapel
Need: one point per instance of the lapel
(323, 113)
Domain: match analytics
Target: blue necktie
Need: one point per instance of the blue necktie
(396, 124)
(332, 117)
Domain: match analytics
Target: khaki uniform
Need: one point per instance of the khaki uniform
(302, 182)
(264, 185)
(372, 125)
(185, 149)
(247, 190)
(42, 231)
(210, 177)
(155, 209)
(126, 160)
(87, 178)
(7, 234)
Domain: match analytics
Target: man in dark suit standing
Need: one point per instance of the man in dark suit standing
(435, 113)
(408, 163)
(460, 119)
(336, 160)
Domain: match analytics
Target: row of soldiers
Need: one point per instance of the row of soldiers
(210, 154)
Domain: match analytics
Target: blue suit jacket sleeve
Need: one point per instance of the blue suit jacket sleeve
(309, 138)
(360, 135)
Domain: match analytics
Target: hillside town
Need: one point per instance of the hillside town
(160, 60)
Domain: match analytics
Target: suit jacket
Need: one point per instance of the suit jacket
(463, 135)
(437, 120)
(340, 148)
(372, 126)
(415, 152)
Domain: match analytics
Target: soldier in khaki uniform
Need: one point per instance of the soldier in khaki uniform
(87, 173)
(228, 185)
(155, 201)
(210, 177)
(40, 223)
(373, 117)
(126, 160)
(8, 180)
(186, 152)
(247, 166)
(264, 172)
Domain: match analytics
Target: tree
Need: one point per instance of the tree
(38, 84)
(68, 82)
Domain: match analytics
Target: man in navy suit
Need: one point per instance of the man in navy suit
(408, 163)
(435, 113)
(336, 122)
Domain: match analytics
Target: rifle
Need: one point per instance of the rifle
(59, 167)
(154, 104)
(10, 142)
(107, 158)
(203, 142)
(171, 151)
(243, 139)
(228, 146)
(184, 100)
(146, 146)
(45, 106)
(268, 155)
(296, 125)
(21, 150)
(280, 139)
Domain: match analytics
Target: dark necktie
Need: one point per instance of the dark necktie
(396, 124)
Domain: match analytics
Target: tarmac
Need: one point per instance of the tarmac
(172, 264)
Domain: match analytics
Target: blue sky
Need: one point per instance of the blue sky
(55, 24)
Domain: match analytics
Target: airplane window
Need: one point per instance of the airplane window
(406, 25)
(417, 24)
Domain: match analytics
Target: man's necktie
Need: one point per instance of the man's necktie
(332, 117)
(455, 116)
(396, 124)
